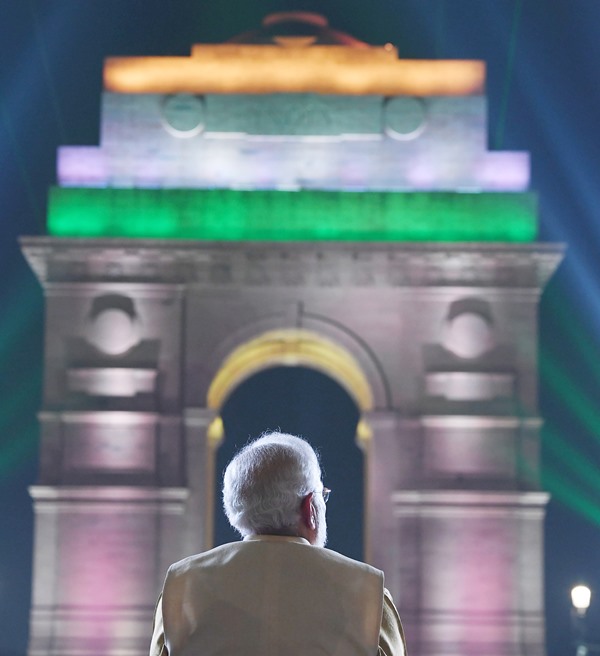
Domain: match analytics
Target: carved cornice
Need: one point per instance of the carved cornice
(292, 264)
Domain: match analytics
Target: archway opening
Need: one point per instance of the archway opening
(304, 402)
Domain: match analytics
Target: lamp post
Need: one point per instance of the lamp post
(581, 597)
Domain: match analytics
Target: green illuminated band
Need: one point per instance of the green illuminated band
(227, 215)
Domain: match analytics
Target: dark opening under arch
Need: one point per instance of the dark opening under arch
(308, 403)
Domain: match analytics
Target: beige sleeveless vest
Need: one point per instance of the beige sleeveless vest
(272, 596)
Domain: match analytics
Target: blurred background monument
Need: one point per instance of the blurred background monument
(293, 197)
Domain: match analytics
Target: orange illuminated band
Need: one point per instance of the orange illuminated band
(243, 68)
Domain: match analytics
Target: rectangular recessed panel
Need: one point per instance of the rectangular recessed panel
(103, 557)
(113, 381)
(469, 386)
(469, 452)
(109, 448)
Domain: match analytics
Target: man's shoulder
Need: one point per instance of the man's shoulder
(200, 559)
(345, 561)
(298, 551)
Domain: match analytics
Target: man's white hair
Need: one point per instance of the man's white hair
(266, 481)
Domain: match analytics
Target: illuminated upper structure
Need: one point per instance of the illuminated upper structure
(312, 110)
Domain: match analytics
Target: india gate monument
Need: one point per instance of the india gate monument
(292, 197)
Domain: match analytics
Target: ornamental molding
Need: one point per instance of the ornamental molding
(292, 264)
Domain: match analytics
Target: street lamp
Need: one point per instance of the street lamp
(581, 597)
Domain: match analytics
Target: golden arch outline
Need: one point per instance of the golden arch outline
(290, 347)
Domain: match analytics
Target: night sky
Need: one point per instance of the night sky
(543, 88)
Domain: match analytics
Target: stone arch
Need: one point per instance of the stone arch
(293, 347)
(289, 347)
(325, 327)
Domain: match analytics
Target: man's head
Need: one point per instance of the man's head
(273, 486)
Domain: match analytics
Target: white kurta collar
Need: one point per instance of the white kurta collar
(275, 538)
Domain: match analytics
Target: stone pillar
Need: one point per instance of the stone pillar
(463, 563)
(203, 434)
(455, 508)
(95, 567)
(110, 501)
(381, 479)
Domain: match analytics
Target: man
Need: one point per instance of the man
(278, 592)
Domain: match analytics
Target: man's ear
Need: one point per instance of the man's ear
(307, 512)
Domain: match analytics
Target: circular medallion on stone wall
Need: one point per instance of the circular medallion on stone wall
(113, 331)
(183, 114)
(469, 335)
(404, 117)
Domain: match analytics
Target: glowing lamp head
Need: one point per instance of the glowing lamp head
(581, 596)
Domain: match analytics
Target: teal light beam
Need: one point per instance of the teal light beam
(440, 24)
(583, 407)
(578, 339)
(22, 308)
(5, 118)
(43, 52)
(566, 493)
(17, 445)
(587, 475)
(510, 65)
